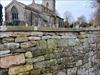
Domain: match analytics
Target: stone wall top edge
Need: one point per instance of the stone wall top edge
(44, 29)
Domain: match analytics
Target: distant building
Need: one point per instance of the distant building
(34, 14)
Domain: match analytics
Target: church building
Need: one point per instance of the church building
(41, 15)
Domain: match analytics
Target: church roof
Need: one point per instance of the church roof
(29, 7)
(15, 1)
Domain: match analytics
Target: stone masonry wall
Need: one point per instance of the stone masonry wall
(49, 53)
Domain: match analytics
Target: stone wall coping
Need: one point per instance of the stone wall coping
(44, 29)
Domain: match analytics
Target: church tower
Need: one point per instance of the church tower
(33, 2)
(50, 4)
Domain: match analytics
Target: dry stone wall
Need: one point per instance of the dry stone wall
(49, 53)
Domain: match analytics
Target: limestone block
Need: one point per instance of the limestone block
(5, 34)
(24, 73)
(25, 45)
(68, 42)
(33, 43)
(53, 62)
(63, 37)
(8, 61)
(18, 50)
(46, 37)
(35, 72)
(61, 73)
(3, 72)
(20, 69)
(11, 45)
(52, 43)
(56, 37)
(28, 54)
(39, 65)
(20, 34)
(50, 62)
(37, 33)
(32, 49)
(37, 53)
(24, 39)
(2, 47)
(63, 42)
(82, 36)
(35, 60)
(42, 44)
(38, 59)
(34, 38)
(79, 63)
(49, 56)
(4, 52)
(9, 39)
(82, 33)
(72, 71)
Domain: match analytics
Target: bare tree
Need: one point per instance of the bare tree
(82, 21)
(68, 19)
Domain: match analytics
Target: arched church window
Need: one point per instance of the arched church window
(14, 13)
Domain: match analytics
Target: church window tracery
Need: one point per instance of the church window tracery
(14, 13)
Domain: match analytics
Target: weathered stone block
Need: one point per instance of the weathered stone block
(11, 45)
(49, 56)
(2, 47)
(52, 43)
(33, 43)
(28, 54)
(24, 73)
(20, 69)
(35, 72)
(25, 45)
(4, 52)
(28, 44)
(5, 34)
(46, 37)
(3, 72)
(63, 42)
(9, 39)
(20, 34)
(56, 37)
(18, 50)
(39, 65)
(37, 33)
(53, 62)
(42, 44)
(61, 73)
(35, 60)
(34, 38)
(79, 63)
(8, 61)
(37, 53)
(24, 39)
(50, 62)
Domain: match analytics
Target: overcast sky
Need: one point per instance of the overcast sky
(76, 7)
